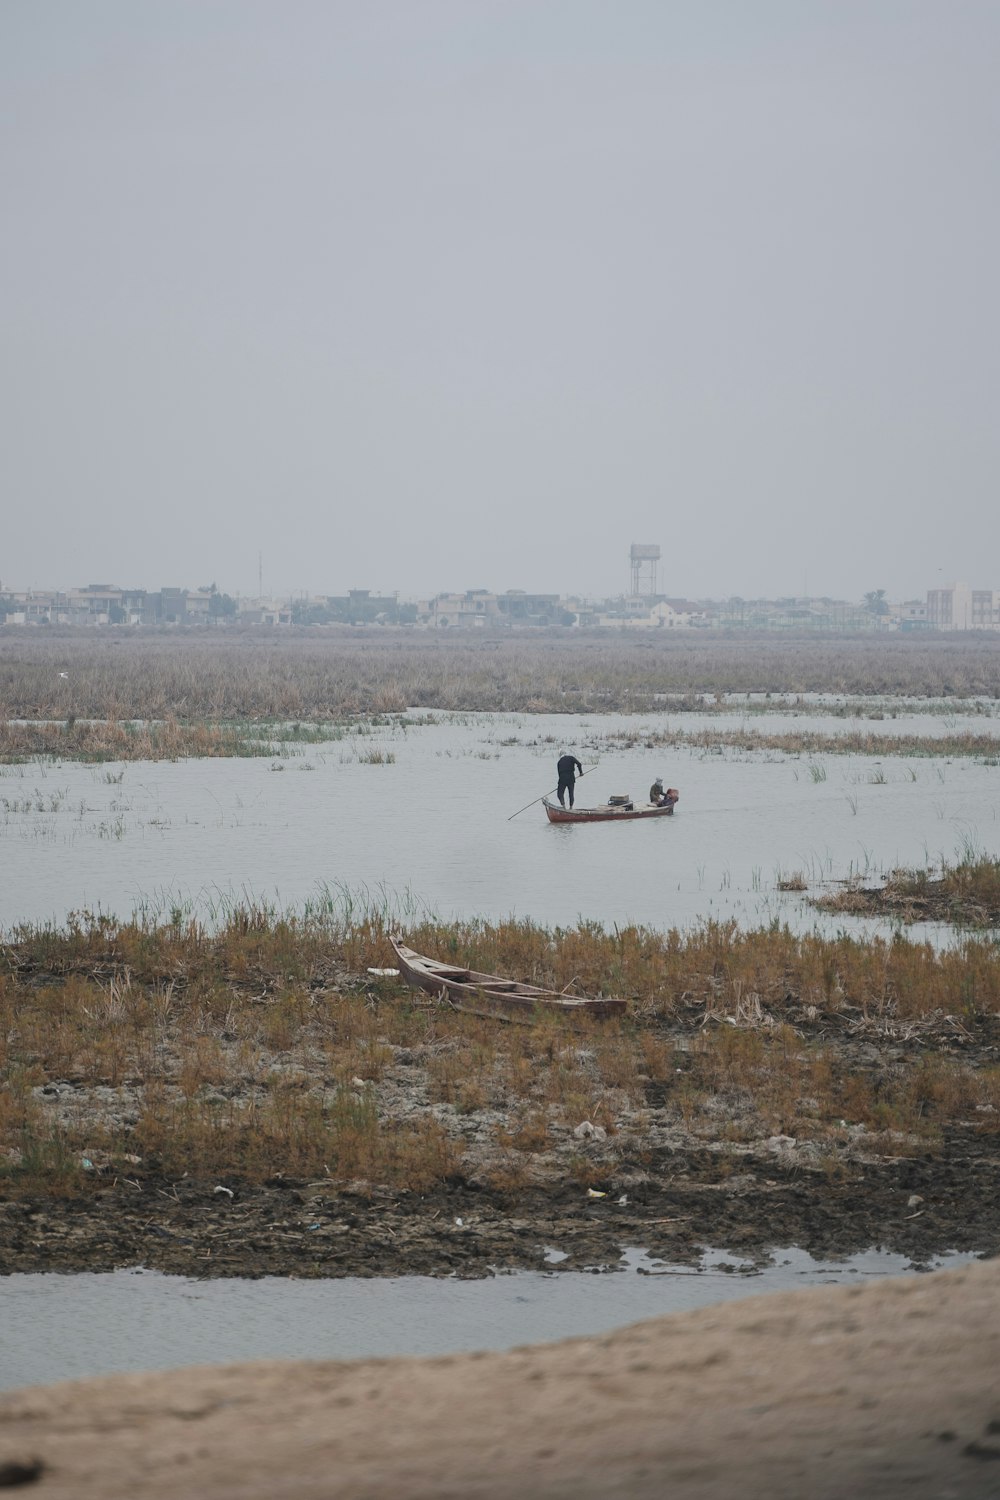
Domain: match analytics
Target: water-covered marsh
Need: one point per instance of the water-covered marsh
(420, 814)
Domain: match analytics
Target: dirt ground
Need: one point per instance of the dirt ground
(670, 1188)
(672, 1199)
(882, 1390)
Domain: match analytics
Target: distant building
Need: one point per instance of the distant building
(362, 607)
(263, 612)
(985, 609)
(93, 605)
(912, 614)
(518, 608)
(471, 610)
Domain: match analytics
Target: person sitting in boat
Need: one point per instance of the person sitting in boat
(568, 766)
(660, 797)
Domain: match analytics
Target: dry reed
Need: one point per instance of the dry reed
(136, 675)
(264, 1048)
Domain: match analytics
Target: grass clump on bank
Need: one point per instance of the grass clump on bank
(265, 1050)
(964, 894)
(116, 740)
(811, 743)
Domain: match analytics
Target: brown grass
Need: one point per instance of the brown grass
(104, 740)
(263, 1049)
(964, 894)
(812, 742)
(127, 675)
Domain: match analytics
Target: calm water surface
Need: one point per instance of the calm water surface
(433, 826)
(69, 1327)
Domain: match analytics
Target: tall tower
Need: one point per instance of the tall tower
(644, 559)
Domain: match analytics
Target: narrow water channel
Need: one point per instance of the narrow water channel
(69, 1327)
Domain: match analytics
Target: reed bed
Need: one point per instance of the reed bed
(113, 740)
(984, 747)
(135, 675)
(98, 741)
(265, 1048)
(964, 893)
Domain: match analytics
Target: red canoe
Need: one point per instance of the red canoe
(612, 812)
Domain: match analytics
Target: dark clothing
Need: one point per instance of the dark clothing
(567, 777)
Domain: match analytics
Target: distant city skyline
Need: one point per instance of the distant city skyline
(620, 585)
(9, 586)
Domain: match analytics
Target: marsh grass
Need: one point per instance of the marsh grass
(964, 893)
(143, 695)
(807, 742)
(308, 677)
(263, 1047)
(113, 740)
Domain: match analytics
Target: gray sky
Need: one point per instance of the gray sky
(430, 294)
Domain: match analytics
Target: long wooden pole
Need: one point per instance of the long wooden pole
(548, 794)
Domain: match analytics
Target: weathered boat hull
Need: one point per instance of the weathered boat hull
(608, 814)
(488, 993)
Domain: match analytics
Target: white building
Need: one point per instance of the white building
(958, 607)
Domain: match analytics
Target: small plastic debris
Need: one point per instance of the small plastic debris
(220, 1189)
(385, 973)
(459, 1222)
(87, 1164)
(135, 1160)
(314, 1226)
(593, 1193)
(623, 1200)
(914, 1200)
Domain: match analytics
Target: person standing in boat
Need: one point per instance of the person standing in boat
(568, 767)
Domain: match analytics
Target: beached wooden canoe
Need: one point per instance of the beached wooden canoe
(487, 993)
(611, 812)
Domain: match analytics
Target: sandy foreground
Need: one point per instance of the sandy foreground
(884, 1389)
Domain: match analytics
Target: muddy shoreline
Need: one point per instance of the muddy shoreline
(686, 1200)
(232, 1122)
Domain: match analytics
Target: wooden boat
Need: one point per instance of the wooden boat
(612, 812)
(487, 994)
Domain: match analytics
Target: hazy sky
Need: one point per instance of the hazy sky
(435, 294)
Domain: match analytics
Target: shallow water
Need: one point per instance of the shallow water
(432, 829)
(69, 1327)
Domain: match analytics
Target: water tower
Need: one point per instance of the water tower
(644, 559)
